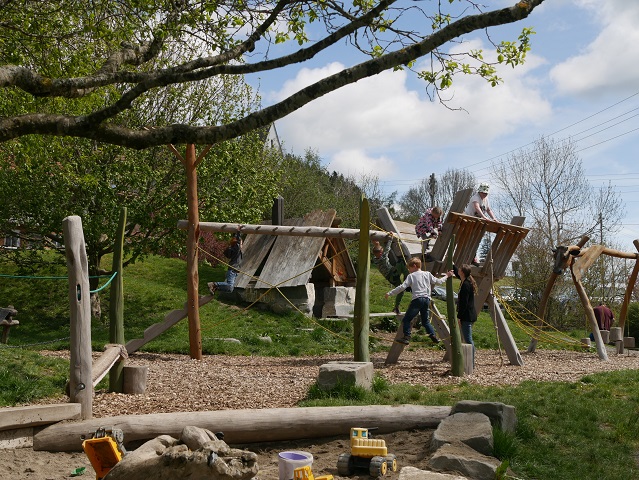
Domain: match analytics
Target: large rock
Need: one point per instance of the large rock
(412, 473)
(473, 429)
(501, 415)
(350, 373)
(458, 457)
(166, 458)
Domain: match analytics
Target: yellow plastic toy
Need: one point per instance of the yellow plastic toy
(366, 453)
(305, 473)
(105, 449)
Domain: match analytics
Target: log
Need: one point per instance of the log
(294, 231)
(249, 426)
(135, 378)
(102, 365)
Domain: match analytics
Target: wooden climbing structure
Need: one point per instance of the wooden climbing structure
(578, 259)
(469, 232)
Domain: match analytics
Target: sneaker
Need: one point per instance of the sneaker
(404, 340)
(475, 262)
(434, 338)
(212, 287)
(396, 311)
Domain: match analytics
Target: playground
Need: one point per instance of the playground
(175, 385)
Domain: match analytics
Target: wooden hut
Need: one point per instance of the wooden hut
(315, 274)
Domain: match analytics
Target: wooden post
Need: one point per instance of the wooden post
(629, 289)
(361, 309)
(190, 161)
(590, 314)
(277, 214)
(80, 381)
(455, 334)
(116, 304)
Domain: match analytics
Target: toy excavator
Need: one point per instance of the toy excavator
(305, 473)
(366, 453)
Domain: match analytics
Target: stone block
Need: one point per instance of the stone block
(303, 297)
(629, 342)
(605, 336)
(473, 429)
(501, 415)
(616, 334)
(338, 301)
(586, 341)
(350, 373)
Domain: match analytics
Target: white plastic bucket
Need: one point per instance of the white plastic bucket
(289, 461)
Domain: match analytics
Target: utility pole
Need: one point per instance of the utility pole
(602, 269)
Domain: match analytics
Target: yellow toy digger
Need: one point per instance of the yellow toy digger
(305, 473)
(105, 448)
(366, 453)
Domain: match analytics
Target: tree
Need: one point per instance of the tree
(452, 181)
(546, 184)
(51, 178)
(416, 200)
(431, 192)
(124, 52)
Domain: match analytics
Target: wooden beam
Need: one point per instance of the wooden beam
(294, 231)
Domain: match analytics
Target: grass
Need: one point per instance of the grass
(583, 430)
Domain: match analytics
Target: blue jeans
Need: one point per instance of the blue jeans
(419, 305)
(467, 335)
(229, 284)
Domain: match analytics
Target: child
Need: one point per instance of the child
(420, 283)
(391, 273)
(430, 224)
(234, 253)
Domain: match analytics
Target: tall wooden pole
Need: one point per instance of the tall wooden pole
(361, 312)
(116, 304)
(455, 335)
(80, 379)
(193, 280)
(629, 289)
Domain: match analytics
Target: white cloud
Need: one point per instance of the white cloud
(355, 163)
(392, 109)
(610, 60)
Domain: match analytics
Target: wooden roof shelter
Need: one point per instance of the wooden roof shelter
(289, 261)
(469, 232)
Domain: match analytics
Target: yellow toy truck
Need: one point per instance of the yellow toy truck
(305, 473)
(366, 453)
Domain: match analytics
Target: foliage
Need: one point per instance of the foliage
(55, 54)
(60, 177)
(307, 185)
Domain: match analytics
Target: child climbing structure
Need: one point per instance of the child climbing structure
(468, 232)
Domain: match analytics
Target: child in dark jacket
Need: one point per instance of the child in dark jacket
(234, 254)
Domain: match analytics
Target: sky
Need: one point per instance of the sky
(580, 81)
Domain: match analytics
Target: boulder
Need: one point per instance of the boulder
(473, 429)
(459, 457)
(501, 415)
